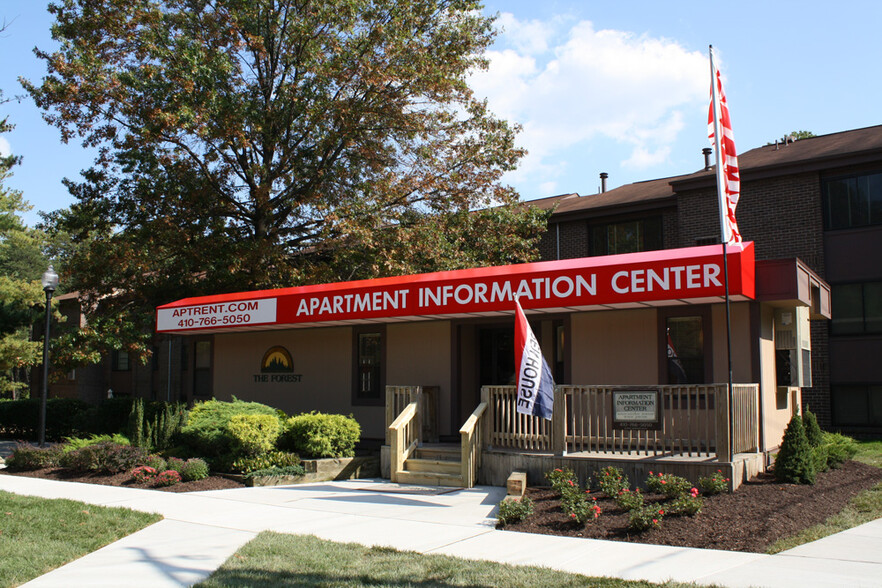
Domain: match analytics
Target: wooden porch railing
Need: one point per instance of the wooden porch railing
(398, 397)
(693, 421)
(472, 435)
(404, 438)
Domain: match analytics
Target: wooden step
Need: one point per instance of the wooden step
(435, 466)
(438, 452)
(429, 479)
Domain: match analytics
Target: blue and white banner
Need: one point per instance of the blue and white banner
(535, 384)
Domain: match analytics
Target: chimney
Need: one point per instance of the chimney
(603, 176)
(707, 157)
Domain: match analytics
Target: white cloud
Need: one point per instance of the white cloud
(590, 85)
(5, 147)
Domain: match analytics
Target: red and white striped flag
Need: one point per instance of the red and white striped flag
(728, 178)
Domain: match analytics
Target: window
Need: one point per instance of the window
(857, 308)
(370, 373)
(684, 345)
(120, 361)
(202, 368)
(627, 236)
(852, 201)
(857, 405)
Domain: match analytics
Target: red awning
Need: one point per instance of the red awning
(691, 275)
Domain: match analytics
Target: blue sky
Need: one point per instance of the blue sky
(617, 87)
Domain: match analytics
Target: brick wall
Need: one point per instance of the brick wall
(573, 242)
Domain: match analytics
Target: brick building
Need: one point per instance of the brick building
(816, 199)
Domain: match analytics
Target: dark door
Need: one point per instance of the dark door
(496, 356)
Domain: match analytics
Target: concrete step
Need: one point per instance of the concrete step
(436, 466)
(429, 479)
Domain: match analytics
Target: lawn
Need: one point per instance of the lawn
(38, 535)
(273, 559)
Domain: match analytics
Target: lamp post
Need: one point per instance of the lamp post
(50, 282)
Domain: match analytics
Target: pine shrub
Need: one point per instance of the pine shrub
(318, 435)
(838, 449)
(254, 434)
(206, 433)
(812, 429)
(794, 462)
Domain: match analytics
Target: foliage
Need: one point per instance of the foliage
(176, 464)
(794, 462)
(838, 449)
(260, 144)
(514, 511)
(558, 477)
(105, 457)
(27, 457)
(575, 503)
(612, 480)
(812, 428)
(74, 443)
(627, 500)
(669, 485)
(254, 434)
(321, 435)
(685, 504)
(110, 416)
(206, 432)
(143, 474)
(155, 426)
(715, 484)
(193, 469)
(248, 464)
(290, 470)
(156, 462)
(20, 418)
(646, 517)
(168, 478)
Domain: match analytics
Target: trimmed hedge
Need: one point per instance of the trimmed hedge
(21, 418)
(207, 434)
(319, 435)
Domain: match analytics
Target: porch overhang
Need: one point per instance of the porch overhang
(692, 275)
(790, 282)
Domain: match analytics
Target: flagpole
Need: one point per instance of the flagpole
(724, 237)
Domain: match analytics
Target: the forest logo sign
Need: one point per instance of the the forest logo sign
(277, 366)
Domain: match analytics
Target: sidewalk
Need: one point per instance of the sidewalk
(202, 529)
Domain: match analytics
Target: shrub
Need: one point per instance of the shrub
(143, 474)
(645, 517)
(612, 481)
(627, 500)
(669, 485)
(321, 435)
(168, 478)
(153, 426)
(247, 464)
(28, 458)
(109, 417)
(685, 504)
(104, 457)
(794, 462)
(74, 443)
(156, 462)
(558, 477)
(20, 418)
(294, 470)
(812, 429)
(206, 434)
(838, 448)
(175, 463)
(716, 484)
(193, 469)
(254, 434)
(514, 511)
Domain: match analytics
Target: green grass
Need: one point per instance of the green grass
(38, 535)
(273, 559)
(863, 508)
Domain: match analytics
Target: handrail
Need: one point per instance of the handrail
(471, 435)
(403, 438)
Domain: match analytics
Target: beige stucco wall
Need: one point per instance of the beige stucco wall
(741, 356)
(615, 347)
(322, 356)
(777, 407)
(418, 354)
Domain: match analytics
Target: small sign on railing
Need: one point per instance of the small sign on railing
(636, 409)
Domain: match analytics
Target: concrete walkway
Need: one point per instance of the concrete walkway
(202, 529)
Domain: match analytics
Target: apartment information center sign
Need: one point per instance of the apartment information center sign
(694, 273)
(636, 409)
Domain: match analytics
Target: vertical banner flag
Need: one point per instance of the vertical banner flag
(676, 371)
(535, 384)
(719, 128)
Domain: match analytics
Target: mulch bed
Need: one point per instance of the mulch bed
(759, 513)
(125, 480)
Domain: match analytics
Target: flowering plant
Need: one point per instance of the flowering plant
(716, 484)
(686, 504)
(168, 478)
(612, 481)
(668, 484)
(513, 511)
(143, 474)
(558, 478)
(646, 517)
(628, 500)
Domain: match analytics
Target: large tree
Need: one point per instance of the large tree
(264, 143)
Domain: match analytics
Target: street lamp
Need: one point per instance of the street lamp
(50, 282)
